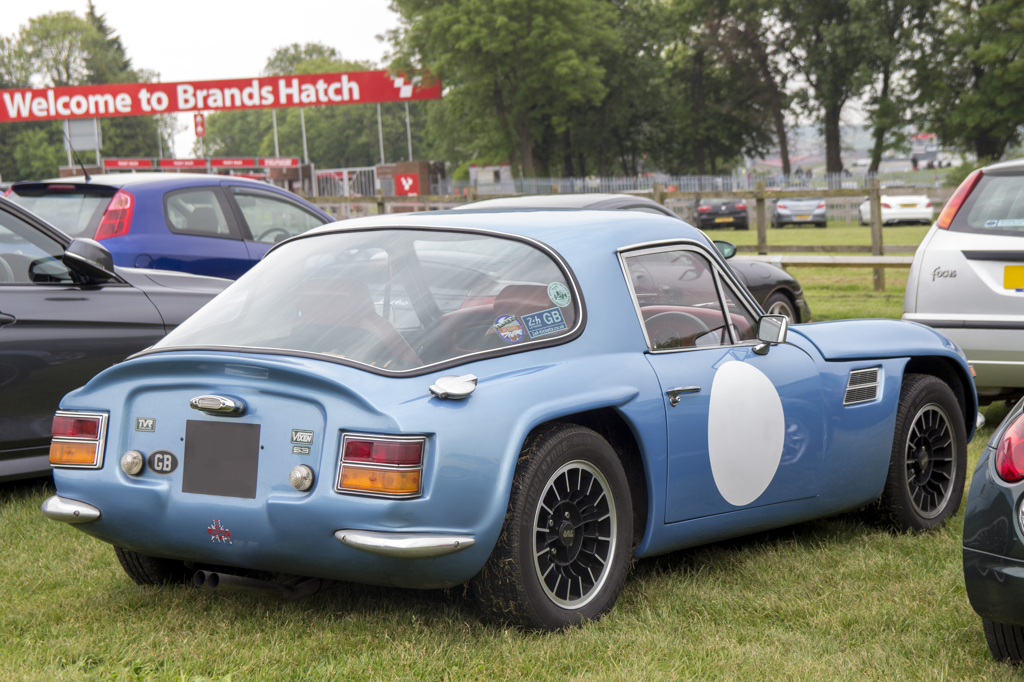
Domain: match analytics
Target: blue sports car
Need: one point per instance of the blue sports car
(213, 225)
(487, 397)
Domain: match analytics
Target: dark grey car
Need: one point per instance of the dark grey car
(66, 313)
(774, 288)
(714, 213)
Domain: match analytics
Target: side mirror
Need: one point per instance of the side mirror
(771, 329)
(727, 249)
(89, 258)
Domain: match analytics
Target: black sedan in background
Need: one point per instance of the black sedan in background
(66, 313)
(714, 213)
(774, 288)
(993, 528)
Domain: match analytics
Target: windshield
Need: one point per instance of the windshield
(77, 214)
(996, 206)
(395, 300)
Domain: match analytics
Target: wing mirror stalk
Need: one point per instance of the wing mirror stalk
(90, 258)
(771, 330)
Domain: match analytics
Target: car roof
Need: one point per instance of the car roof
(1012, 164)
(155, 180)
(594, 200)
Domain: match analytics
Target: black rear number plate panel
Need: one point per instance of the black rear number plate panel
(220, 459)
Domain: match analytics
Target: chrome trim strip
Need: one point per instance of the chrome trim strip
(404, 545)
(218, 405)
(69, 511)
(100, 440)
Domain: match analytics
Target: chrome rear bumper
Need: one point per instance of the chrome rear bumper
(404, 545)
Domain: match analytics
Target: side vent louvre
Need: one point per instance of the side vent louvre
(862, 386)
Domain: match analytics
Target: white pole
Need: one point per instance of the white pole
(99, 141)
(408, 130)
(380, 134)
(302, 119)
(159, 139)
(277, 150)
(67, 141)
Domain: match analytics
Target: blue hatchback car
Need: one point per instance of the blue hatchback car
(213, 225)
(486, 397)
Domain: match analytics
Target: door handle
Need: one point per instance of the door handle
(7, 319)
(674, 394)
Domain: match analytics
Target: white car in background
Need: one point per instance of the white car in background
(900, 209)
(967, 279)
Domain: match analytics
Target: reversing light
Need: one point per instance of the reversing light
(78, 439)
(1010, 452)
(952, 206)
(117, 219)
(387, 466)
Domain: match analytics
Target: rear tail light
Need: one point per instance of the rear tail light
(821, 205)
(8, 192)
(741, 207)
(78, 440)
(780, 205)
(1010, 452)
(385, 466)
(928, 205)
(703, 209)
(117, 219)
(952, 206)
(886, 206)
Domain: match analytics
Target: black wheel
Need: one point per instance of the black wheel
(821, 225)
(566, 544)
(779, 304)
(928, 466)
(744, 226)
(147, 570)
(1006, 642)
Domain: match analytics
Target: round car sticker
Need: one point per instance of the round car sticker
(508, 328)
(559, 294)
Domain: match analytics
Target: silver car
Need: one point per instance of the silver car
(798, 211)
(967, 279)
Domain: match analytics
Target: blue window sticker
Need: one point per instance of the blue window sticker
(508, 328)
(991, 223)
(545, 322)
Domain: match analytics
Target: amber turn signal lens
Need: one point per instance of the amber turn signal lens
(388, 481)
(75, 454)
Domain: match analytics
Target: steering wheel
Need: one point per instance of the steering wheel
(675, 329)
(272, 230)
(6, 274)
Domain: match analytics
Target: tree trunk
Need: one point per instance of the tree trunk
(988, 146)
(580, 165)
(525, 143)
(833, 142)
(697, 102)
(499, 107)
(566, 154)
(775, 97)
(880, 129)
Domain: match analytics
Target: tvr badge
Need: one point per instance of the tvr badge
(145, 424)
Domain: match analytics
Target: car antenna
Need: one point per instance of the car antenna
(75, 154)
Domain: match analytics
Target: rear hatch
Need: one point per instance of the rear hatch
(75, 208)
(800, 208)
(723, 210)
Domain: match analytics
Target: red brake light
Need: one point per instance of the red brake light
(703, 209)
(75, 427)
(117, 219)
(1010, 453)
(741, 207)
(886, 206)
(949, 211)
(780, 205)
(395, 453)
(928, 205)
(821, 205)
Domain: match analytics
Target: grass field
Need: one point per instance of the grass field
(831, 599)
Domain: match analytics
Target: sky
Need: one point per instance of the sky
(215, 39)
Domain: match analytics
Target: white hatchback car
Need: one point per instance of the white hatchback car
(967, 279)
(900, 209)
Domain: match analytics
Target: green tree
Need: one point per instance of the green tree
(522, 63)
(969, 75)
(57, 43)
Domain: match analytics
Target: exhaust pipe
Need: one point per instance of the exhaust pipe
(293, 590)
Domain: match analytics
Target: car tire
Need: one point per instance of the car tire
(572, 473)
(1006, 642)
(744, 226)
(147, 570)
(821, 225)
(926, 481)
(780, 304)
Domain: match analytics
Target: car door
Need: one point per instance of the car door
(744, 429)
(269, 218)
(55, 335)
(205, 238)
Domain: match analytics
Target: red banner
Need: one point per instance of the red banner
(127, 163)
(233, 163)
(147, 99)
(279, 162)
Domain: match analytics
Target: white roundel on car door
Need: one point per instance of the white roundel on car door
(746, 431)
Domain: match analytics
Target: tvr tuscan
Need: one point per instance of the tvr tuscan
(430, 400)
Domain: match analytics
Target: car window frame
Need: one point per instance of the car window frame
(234, 232)
(720, 276)
(230, 190)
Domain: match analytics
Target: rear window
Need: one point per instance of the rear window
(395, 300)
(996, 206)
(74, 212)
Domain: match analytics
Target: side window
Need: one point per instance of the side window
(27, 256)
(272, 220)
(678, 299)
(197, 212)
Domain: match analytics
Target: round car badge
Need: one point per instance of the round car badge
(162, 462)
(744, 460)
(559, 294)
(508, 328)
